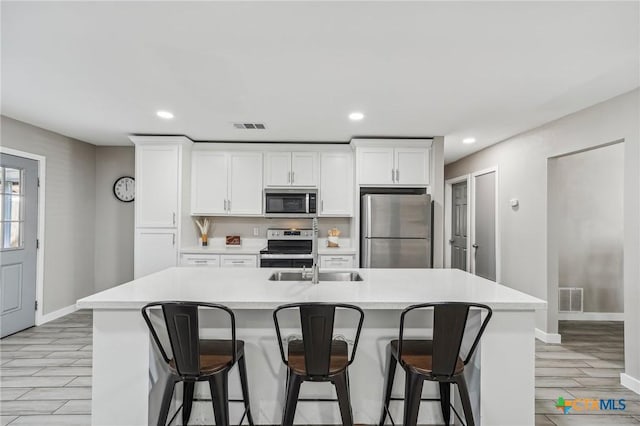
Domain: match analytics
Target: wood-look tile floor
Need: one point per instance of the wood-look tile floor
(587, 364)
(45, 374)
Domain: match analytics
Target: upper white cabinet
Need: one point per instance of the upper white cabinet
(291, 169)
(401, 165)
(157, 183)
(336, 184)
(226, 183)
(376, 166)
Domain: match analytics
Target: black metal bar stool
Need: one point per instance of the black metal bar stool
(196, 359)
(434, 360)
(317, 356)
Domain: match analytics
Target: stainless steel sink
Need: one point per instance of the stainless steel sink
(323, 276)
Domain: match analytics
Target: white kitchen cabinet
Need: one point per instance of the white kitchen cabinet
(337, 261)
(226, 183)
(376, 166)
(393, 166)
(155, 249)
(291, 169)
(336, 184)
(245, 183)
(195, 259)
(277, 169)
(208, 182)
(238, 261)
(157, 185)
(412, 166)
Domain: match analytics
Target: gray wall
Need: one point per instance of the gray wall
(70, 216)
(591, 228)
(114, 219)
(522, 162)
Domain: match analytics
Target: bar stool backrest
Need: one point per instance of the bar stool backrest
(449, 322)
(317, 324)
(182, 324)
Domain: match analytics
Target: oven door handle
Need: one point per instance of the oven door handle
(286, 256)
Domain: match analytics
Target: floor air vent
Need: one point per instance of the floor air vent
(570, 299)
(250, 126)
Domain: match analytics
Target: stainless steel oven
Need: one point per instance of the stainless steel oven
(287, 248)
(290, 202)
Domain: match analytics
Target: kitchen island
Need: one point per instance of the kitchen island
(125, 370)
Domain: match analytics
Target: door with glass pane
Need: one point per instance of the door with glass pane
(18, 231)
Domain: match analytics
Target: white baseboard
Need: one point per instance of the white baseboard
(57, 314)
(630, 382)
(591, 316)
(548, 337)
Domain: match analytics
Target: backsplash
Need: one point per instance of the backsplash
(243, 226)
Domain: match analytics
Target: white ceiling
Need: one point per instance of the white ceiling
(98, 71)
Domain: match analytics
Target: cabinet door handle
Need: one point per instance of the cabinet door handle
(173, 239)
(398, 175)
(338, 258)
(200, 261)
(393, 175)
(228, 205)
(237, 262)
(293, 177)
(174, 218)
(288, 177)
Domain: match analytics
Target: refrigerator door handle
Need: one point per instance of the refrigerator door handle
(366, 253)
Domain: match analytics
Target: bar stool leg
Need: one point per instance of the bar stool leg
(412, 395)
(219, 386)
(187, 401)
(166, 401)
(342, 390)
(464, 399)
(242, 368)
(293, 389)
(445, 401)
(388, 383)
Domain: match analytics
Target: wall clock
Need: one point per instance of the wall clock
(124, 189)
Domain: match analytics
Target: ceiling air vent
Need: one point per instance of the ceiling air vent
(249, 126)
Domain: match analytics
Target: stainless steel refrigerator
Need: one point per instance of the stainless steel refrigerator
(396, 231)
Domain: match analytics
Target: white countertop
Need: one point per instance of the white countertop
(247, 288)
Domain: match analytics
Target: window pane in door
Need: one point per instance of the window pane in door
(12, 181)
(13, 238)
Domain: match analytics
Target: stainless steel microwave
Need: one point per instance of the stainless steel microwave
(290, 202)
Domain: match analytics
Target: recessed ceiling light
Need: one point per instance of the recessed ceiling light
(165, 114)
(468, 140)
(355, 116)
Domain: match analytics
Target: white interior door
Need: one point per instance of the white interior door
(484, 238)
(18, 233)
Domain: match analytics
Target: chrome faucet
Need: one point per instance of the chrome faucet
(315, 275)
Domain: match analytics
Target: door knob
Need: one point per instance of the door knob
(475, 246)
(450, 241)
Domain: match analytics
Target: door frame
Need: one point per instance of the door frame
(448, 198)
(42, 168)
(472, 209)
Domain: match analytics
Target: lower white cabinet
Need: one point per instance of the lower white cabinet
(219, 260)
(339, 261)
(238, 261)
(155, 250)
(192, 259)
